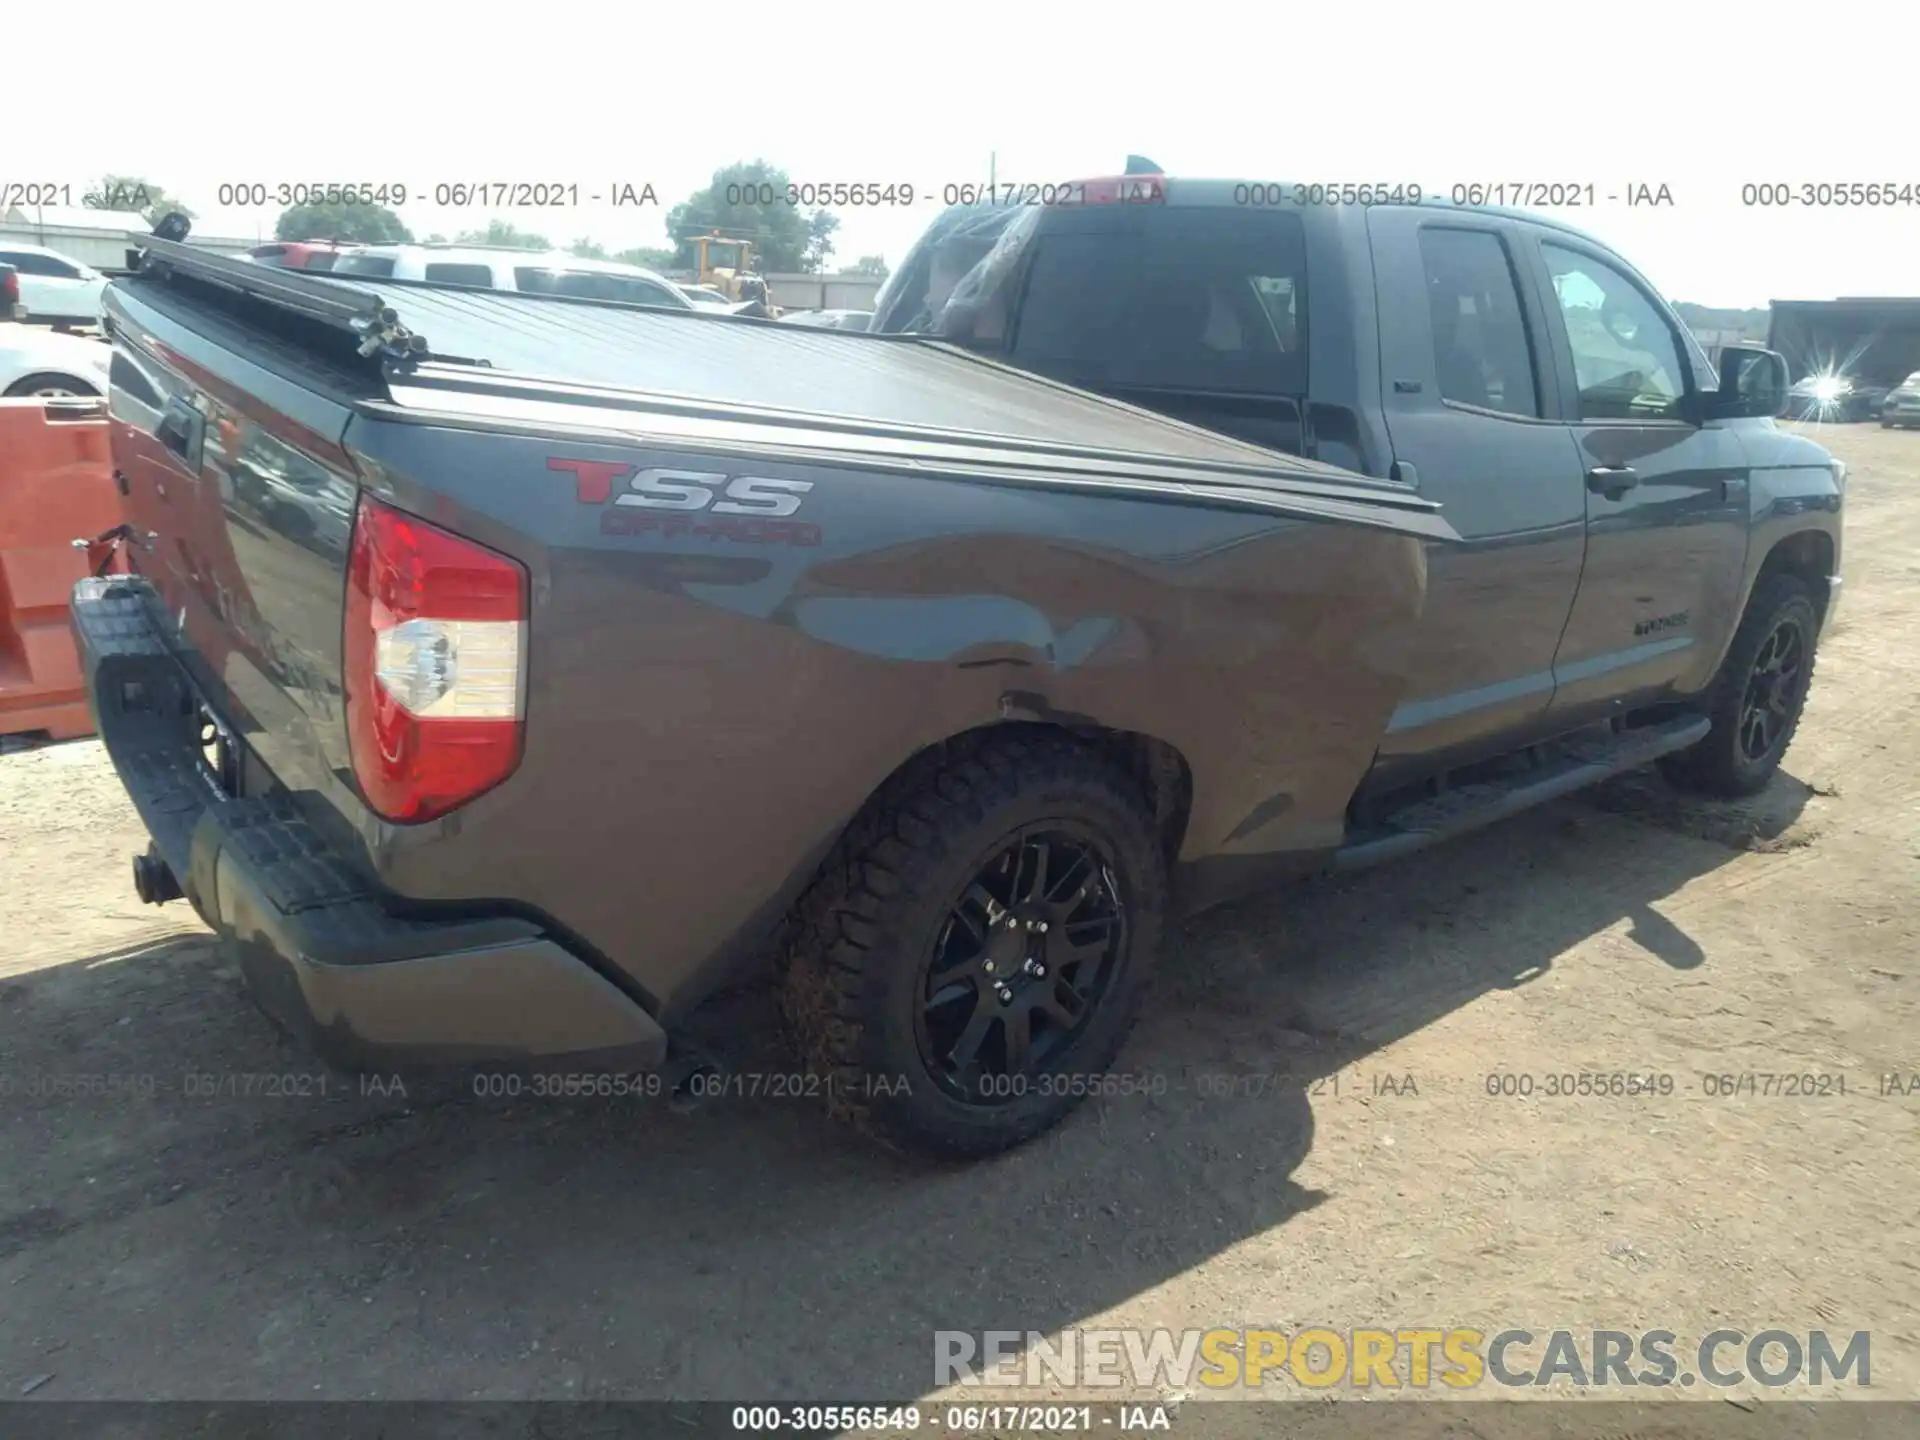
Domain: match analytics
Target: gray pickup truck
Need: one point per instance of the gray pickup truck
(1199, 537)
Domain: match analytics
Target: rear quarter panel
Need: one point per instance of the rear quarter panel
(706, 711)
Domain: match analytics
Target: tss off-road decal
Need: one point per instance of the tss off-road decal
(695, 489)
(746, 509)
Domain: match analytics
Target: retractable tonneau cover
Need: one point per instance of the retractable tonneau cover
(503, 358)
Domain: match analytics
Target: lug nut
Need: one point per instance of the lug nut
(1041, 927)
(987, 965)
(1006, 995)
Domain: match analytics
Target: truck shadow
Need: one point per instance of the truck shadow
(615, 1247)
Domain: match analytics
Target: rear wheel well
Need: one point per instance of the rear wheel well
(1160, 770)
(1808, 557)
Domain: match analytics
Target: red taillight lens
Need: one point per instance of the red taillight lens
(435, 654)
(9, 293)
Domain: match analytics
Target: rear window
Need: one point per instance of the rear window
(267, 252)
(320, 259)
(1482, 354)
(1197, 299)
(595, 285)
(381, 265)
(450, 273)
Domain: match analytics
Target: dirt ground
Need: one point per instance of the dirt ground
(159, 1242)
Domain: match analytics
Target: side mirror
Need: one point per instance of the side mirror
(1753, 382)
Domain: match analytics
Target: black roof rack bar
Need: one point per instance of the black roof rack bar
(361, 313)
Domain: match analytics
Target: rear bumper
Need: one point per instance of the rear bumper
(321, 948)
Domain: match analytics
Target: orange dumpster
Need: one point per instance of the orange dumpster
(56, 486)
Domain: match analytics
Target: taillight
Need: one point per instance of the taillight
(435, 654)
(9, 292)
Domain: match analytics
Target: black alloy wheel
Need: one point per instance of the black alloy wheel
(1029, 950)
(1756, 700)
(965, 967)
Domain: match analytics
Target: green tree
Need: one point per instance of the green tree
(748, 201)
(359, 224)
(820, 227)
(504, 232)
(867, 265)
(131, 192)
(588, 249)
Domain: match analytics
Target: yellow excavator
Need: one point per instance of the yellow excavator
(723, 264)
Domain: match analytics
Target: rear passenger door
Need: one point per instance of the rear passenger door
(1474, 420)
(1666, 495)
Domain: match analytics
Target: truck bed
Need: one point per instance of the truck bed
(503, 359)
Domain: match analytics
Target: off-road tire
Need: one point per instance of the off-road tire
(863, 931)
(1717, 765)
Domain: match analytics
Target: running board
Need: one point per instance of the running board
(1575, 764)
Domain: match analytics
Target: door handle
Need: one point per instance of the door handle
(1612, 481)
(177, 429)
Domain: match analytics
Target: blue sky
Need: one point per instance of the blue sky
(1701, 99)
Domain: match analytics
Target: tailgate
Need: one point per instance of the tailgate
(241, 502)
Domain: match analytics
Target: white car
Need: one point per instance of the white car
(53, 287)
(40, 362)
(497, 268)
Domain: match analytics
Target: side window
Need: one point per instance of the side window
(1481, 352)
(28, 263)
(1625, 359)
(645, 292)
(601, 285)
(450, 273)
(1206, 299)
(377, 265)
